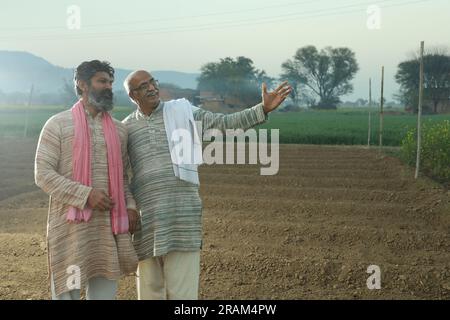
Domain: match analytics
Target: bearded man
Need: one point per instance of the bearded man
(80, 161)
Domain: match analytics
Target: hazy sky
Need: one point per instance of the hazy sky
(183, 35)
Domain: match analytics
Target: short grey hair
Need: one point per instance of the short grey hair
(126, 82)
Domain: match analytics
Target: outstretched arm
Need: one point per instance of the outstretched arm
(247, 118)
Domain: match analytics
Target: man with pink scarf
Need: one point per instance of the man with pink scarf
(80, 161)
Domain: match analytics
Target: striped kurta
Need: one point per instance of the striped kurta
(170, 208)
(87, 247)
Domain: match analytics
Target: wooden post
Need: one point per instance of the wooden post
(25, 131)
(370, 105)
(381, 106)
(419, 112)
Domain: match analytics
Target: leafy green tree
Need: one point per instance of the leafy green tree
(236, 78)
(436, 67)
(325, 74)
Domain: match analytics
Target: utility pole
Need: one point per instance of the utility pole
(370, 105)
(25, 131)
(381, 106)
(419, 112)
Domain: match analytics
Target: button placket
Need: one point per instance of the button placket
(96, 132)
(151, 129)
(92, 134)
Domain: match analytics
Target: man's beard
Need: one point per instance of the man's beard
(101, 100)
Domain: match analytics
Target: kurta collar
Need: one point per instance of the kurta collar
(141, 115)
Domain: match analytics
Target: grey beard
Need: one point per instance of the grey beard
(100, 105)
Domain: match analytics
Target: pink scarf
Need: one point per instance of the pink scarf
(81, 153)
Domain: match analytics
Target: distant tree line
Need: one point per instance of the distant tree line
(320, 79)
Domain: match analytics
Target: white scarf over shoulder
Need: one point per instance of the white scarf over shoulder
(184, 140)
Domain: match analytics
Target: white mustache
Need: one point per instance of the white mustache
(151, 93)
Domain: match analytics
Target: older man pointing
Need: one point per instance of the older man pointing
(169, 238)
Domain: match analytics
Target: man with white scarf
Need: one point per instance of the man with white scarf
(169, 238)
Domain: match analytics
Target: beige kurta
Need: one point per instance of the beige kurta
(89, 247)
(171, 209)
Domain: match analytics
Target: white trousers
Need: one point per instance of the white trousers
(174, 276)
(98, 288)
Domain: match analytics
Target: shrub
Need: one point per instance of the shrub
(435, 149)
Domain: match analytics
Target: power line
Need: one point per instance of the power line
(101, 25)
(224, 25)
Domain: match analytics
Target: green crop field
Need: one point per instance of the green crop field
(343, 126)
(14, 118)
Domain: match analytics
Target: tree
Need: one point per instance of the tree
(436, 68)
(325, 74)
(261, 76)
(234, 78)
(296, 95)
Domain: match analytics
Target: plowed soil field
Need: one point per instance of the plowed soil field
(309, 232)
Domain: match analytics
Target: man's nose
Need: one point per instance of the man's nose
(109, 85)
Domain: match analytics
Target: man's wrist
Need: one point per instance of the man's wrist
(87, 193)
(131, 204)
(261, 114)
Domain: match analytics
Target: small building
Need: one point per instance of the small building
(212, 101)
(171, 92)
(443, 106)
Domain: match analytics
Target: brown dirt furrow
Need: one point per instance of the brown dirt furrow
(309, 232)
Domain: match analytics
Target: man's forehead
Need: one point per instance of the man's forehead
(103, 74)
(141, 76)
